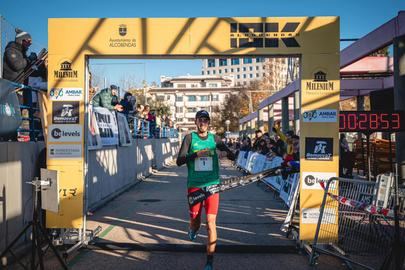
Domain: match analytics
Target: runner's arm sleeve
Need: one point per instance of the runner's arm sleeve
(222, 147)
(183, 156)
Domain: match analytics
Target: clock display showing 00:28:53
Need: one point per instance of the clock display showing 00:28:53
(369, 121)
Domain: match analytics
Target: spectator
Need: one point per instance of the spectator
(128, 103)
(345, 161)
(108, 98)
(139, 111)
(258, 135)
(285, 138)
(15, 56)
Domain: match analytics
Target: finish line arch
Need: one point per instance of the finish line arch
(72, 41)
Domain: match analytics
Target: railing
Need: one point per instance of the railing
(30, 128)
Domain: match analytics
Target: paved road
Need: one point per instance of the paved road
(147, 229)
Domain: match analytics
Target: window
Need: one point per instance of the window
(257, 67)
(215, 97)
(213, 72)
(244, 82)
(190, 119)
(181, 85)
(160, 98)
(231, 69)
(214, 85)
(250, 68)
(179, 109)
(226, 70)
(211, 62)
(191, 110)
(220, 71)
(168, 97)
(208, 72)
(257, 75)
(202, 72)
(259, 59)
(244, 76)
(235, 61)
(179, 119)
(251, 75)
(244, 68)
(179, 98)
(264, 74)
(238, 69)
(223, 62)
(205, 98)
(238, 76)
(247, 60)
(194, 85)
(192, 98)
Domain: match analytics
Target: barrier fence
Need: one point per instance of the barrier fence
(252, 162)
(366, 232)
(360, 213)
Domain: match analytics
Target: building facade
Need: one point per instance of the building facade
(185, 95)
(271, 71)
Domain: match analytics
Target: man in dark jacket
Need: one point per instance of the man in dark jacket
(15, 56)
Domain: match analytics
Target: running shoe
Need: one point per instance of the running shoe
(192, 234)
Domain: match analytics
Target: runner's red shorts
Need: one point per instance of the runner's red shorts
(211, 205)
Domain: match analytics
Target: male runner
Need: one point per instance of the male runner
(198, 150)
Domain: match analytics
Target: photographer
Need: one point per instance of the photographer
(15, 56)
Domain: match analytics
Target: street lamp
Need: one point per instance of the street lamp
(227, 123)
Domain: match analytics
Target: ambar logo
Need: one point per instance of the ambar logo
(263, 35)
(65, 71)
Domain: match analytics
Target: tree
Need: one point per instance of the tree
(231, 110)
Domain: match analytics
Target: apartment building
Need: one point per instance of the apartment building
(271, 71)
(188, 94)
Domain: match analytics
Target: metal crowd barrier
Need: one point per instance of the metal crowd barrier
(252, 162)
(352, 229)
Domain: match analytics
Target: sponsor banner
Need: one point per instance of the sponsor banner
(107, 126)
(93, 135)
(65, 71)
(64, 151)
(320, 85)
(65, 112)
(318, 148)
(311, 215)
(65, 133)
(312, 180)
(66, 94)
(320, 116)
(124, 132)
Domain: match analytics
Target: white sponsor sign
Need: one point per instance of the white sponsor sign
(320, 116)
(65, 151)
(311, 180)
(66, 94)
(65, 133)
(107, 125)
(311, 216)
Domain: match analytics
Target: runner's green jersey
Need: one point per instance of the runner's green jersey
(203, 171)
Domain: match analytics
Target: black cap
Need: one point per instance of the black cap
(113, 86)
(201, 114)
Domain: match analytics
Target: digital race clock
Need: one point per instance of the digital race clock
(369, 121)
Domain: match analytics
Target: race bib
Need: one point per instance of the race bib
(203, 164)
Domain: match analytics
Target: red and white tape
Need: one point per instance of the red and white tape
(369, 208)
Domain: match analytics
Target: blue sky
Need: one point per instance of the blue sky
(358, 17)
